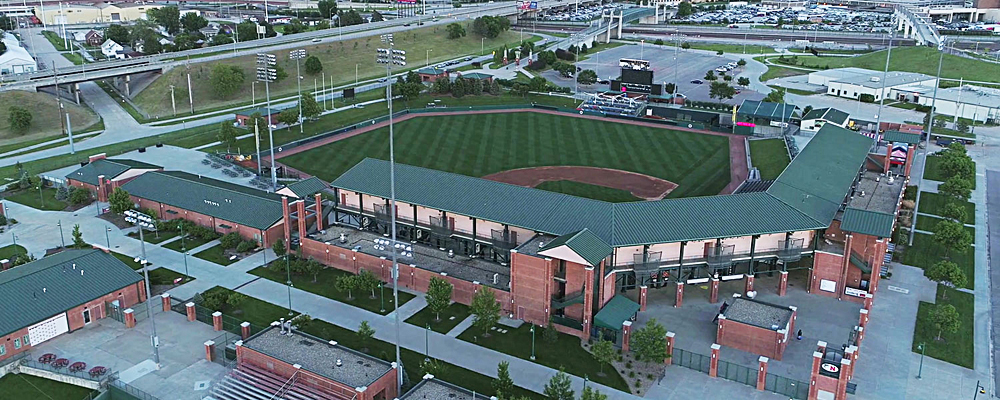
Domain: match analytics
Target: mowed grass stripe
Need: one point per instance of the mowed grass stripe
(483, 144)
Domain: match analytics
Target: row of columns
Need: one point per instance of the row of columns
(713, 294)
(192, 316)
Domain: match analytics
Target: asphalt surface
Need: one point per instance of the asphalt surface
(993, 227)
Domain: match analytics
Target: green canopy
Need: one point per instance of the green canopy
(618, 310)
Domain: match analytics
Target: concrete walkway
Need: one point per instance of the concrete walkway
(461, 327)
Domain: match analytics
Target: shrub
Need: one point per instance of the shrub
(246, 246)
(79, 196)
(565, 55)
(62, 194)
(230, 240)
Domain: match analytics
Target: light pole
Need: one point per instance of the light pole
(267, 73)
(173, 104)
(642, 42)
(143, 220)
(62, 239)
(922, 347)
(979, 390)
(878, 118)
(427, 343)
(381, 297)
(298, 55)
(532, 342)
(107, 236)
(390, 56)
(927, 139)
(427, 55)
(40, 197)
(180, 226)
(288, 272)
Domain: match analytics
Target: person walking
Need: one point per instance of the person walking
(799, 335)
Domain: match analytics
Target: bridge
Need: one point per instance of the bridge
(609, 27)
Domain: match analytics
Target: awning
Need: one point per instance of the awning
(618, 310)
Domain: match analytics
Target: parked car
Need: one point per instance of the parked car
(697, 81)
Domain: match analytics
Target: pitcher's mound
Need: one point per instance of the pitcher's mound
(642, 186)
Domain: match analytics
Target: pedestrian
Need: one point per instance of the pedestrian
(722, 309)
(799, 335)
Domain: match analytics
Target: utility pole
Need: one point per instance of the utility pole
(298, 55)
(927, 140)
(144, 221)
(885, 73)
(69, 130)
(324, 91)
(267, 73)
(172, 102)
(190, 92)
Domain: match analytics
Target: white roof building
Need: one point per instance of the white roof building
(16, 60)
(856, 82)
(973, 102)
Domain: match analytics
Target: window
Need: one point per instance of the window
(3, 348)
(25, 341)
(17, 343)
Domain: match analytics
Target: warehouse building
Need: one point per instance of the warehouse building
(16, 60)
(99, 13)
(854, 82)
(976, 103)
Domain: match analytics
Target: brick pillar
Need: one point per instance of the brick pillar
(888, 153)
(301, 208)
(679, 299)
(845, 365)
(129, 318)
(319, 212)
(209, 350)
(642, 297)
(165, 298)
(868, 303)
(821, 346)
(713, 364)
(842, 277)
(670, 348)
(861, 335)
(849, 354)
(814, 375)
(783, 283)
(190, 312)
(855, 353)
(287, 221)
(588, 300)
(713, 294)
(217, 320)
(863, 320)
(626, 331)
(911, 152)
(719, 329)
(749, 284)
(245, 330)
(761, 372)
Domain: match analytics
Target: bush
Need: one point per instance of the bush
(537, 65)
(62, 194)
(867, 98)
(565, 55)
(230, 240)
(246, 245)
(79, 196)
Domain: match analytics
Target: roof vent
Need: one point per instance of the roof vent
(44, 289)
(541, 244)
(340, 363)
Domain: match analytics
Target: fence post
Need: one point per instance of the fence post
(713, 296)
(190, 311)
(165, 298)
(626, 330)
(245, 330)
(642, 297)
(209, 350)
(783, 283)
(217, 320)
(129, 318)
(670, 348)
(863, 321)
(761, 372)
(679, 299)
(713, 364)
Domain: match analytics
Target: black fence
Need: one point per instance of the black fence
(792, 388)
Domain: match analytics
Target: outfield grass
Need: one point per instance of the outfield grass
(933, 171)
(933, 203)
(770, 156)
(46, 201)
(925, 252)
(336, 57)
(580, 189)
(28, 387)
(919, 59)
(927, 223)
(956, 348)
(44, 125)
(262, 313)
(450, 318)
(478, 145)
(325, 286)
(215, 254)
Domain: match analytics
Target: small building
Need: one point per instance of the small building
(877, 84)
(816, 118)
(977, 103)
(16, 60)
(112, 49)
(243, 117)
(209, 31)
(756, 327)
(431, 74)
(303, 189)
(486, 78)
(62, 293)
(102, 175)
(761, 117)
(93, 38)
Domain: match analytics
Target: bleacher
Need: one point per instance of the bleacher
(616, 104)
(247, 382)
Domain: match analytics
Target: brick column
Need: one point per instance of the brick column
(129, 318)
(713, 364)
(713, 294)
(209, 350)
(868, 303)
(863, 320)
(842, 276)
(720, 330)
(855, 353)
(849, 354)
(670, 348)
(626, 331)
(749, 284)
(783, 283)
(845, 365)
(320, 224)
(821, 346)
(588, 300)
(911, 152)
(190, 311)
(217, 320)
(679, 299)
(814, 375)
(888, 153)
(642, 297)
(761, 372)
(861, 335)
(301, 208)
(165, 298)
(245, 330)
(287, 221)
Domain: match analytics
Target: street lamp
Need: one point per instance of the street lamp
(381, 297)
(107, 236)
(927, 139)
(62, 239)
(922, 348)
(427, 345)
(298, 55)
(532, 342)
(267, 73)
(143, 220)
(979, 390)
(40, 197)
(288, 272)
(427, 62)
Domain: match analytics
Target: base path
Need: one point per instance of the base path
(642, 186)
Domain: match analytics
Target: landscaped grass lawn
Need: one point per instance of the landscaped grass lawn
(10, 250)
(580, 189)
(925, 252)
(155, 237)
(450, 318)
(927, 223)
(933, 171)
(58, 42)
(262, 313)
(42, 107)
(566, 352)
(775, 71)
(769, 156)
(158, 276)
(215, 254)
(956, 348)
(919, 59)
(45, 202)
(189, 242)
(933, 203)
(478, 145)
(28, 387)
(325, 286)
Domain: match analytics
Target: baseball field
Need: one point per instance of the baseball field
(485, 144)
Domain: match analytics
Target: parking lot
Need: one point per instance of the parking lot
(814, 17)
(580, 14)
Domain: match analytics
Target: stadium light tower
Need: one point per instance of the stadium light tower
(146, 222)
(267, 73)
(881, 103)
(298, 55)
(942, 45)
(389, 56)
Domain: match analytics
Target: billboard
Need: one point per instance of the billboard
(628, 63)
(528, 5)
(406, 1)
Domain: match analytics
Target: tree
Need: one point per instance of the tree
(550, 335)
(310, 107)
(548, 57)
(503, 385)
(19, 118)
(120, 201)
(743, 81)
(954, 161)
(962, 125)
(377, 16)
(494, 87)
(313, 268)
(441, 86)
(167, 17)
(589, 393)
(193, 22)
(776, 96)
(279, 248)
(455, 30)
(741, 62)
(301, 321)
(946, 319)
(604, 353)
(538, 84)
(235, 299)
(78, 241)
(587, 77)
(650, 342)
(559, 387)
(486, 310)
(327, 8)
(710, 76)
(118, 33)
(721, 90)
(347, 284)
(658, 42)
(226, 80)
(289, 116)
(684, 9)
(947, 273)
(409, 91)
(458, 88)
(220, 39)
(438, 296)
(432, 366)
(79, 196)
(365, 333)
(227, 134)
(349, 17)
(806, 110)
(956, 187)
(313, 65)
(953, 236)
(490, 26)
(685, 45)
(954, 212)
(727, 78)
(720, 53)
(368, 281)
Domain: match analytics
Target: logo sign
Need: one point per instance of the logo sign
(831, 368)
(855, 292)
(747, 124)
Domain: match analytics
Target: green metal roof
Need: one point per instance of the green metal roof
(110, 168)
(817, 180)
(901, 137)
(263, 111)
(584, 243)
(477, 75)
(223, 200)
(830, 114)
(432, 71)
(45, 288)
(307, 187)
(619, 309)
(867, 222)
(766, 110)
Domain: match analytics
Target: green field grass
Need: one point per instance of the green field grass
(580, 189)
(478, 145)
(58, 42)
(28, 387)
(45, 201)
(927, 223)
(933, 203)
(189, 243)
(43, 108)
(925, 252)
(215, 254)
(10, 250)
(451, 316)
(325, 283)
(919, 59)
(933, 171)
(956, 348)
(769, 156)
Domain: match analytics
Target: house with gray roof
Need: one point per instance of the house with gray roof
(102, 175)
(817, 117)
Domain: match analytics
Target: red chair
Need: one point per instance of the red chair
(98, 371)
(62, 362)
(78, 366)
(46, 358)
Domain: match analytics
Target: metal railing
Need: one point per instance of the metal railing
(784, 386)
(737, 373)
(567, 322)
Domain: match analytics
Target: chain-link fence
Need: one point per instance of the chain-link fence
(691, 360)
(737, 373)
(784, 386)
(740, 373)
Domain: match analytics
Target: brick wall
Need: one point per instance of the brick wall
(751, 339)
(384, 386)
(167, 212)
(826, 266)
(531, 286)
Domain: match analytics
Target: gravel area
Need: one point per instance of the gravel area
(758, 313)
